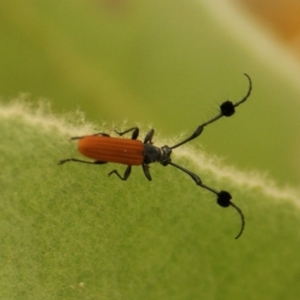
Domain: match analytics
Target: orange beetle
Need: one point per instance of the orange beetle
(132, 152)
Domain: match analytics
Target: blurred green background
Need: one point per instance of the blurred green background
(168, 65)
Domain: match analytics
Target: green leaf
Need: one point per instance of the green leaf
(70, 232)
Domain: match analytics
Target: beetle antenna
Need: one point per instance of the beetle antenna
(248, 93)
(227, 109)
(242, 219)
(223, 197)
(224, 201)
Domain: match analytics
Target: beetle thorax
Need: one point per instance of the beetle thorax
(155, 154)
(151, 154)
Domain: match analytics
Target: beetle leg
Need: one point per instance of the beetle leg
(149, 136)
(81, 137)
(102, 134)
(126, 173)
(146, 171)
(135, 133)
(97, 162)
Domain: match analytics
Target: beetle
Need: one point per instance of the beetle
(133, 152)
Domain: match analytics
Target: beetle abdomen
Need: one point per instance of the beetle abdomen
(110, 149)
